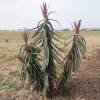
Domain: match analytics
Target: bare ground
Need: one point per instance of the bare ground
(85, 84)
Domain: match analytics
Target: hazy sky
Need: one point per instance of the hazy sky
(26, 13)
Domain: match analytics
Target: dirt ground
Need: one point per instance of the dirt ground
(85, 84)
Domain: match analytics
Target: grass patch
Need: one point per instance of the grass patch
(15, 41)
(8, 56)
(10, 85)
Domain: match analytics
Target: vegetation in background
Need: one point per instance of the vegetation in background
(41, 58)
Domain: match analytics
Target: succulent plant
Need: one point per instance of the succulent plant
(41, 57)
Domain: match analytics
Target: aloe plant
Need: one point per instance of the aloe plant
(30, 67)
(44, 37)
(41, 57)
(73, 59)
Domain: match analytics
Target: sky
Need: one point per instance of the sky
(18, 14)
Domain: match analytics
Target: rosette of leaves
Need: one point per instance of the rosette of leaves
(44, 37)
(73, 59)
(30, 67)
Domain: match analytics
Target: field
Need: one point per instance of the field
(85, 84)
